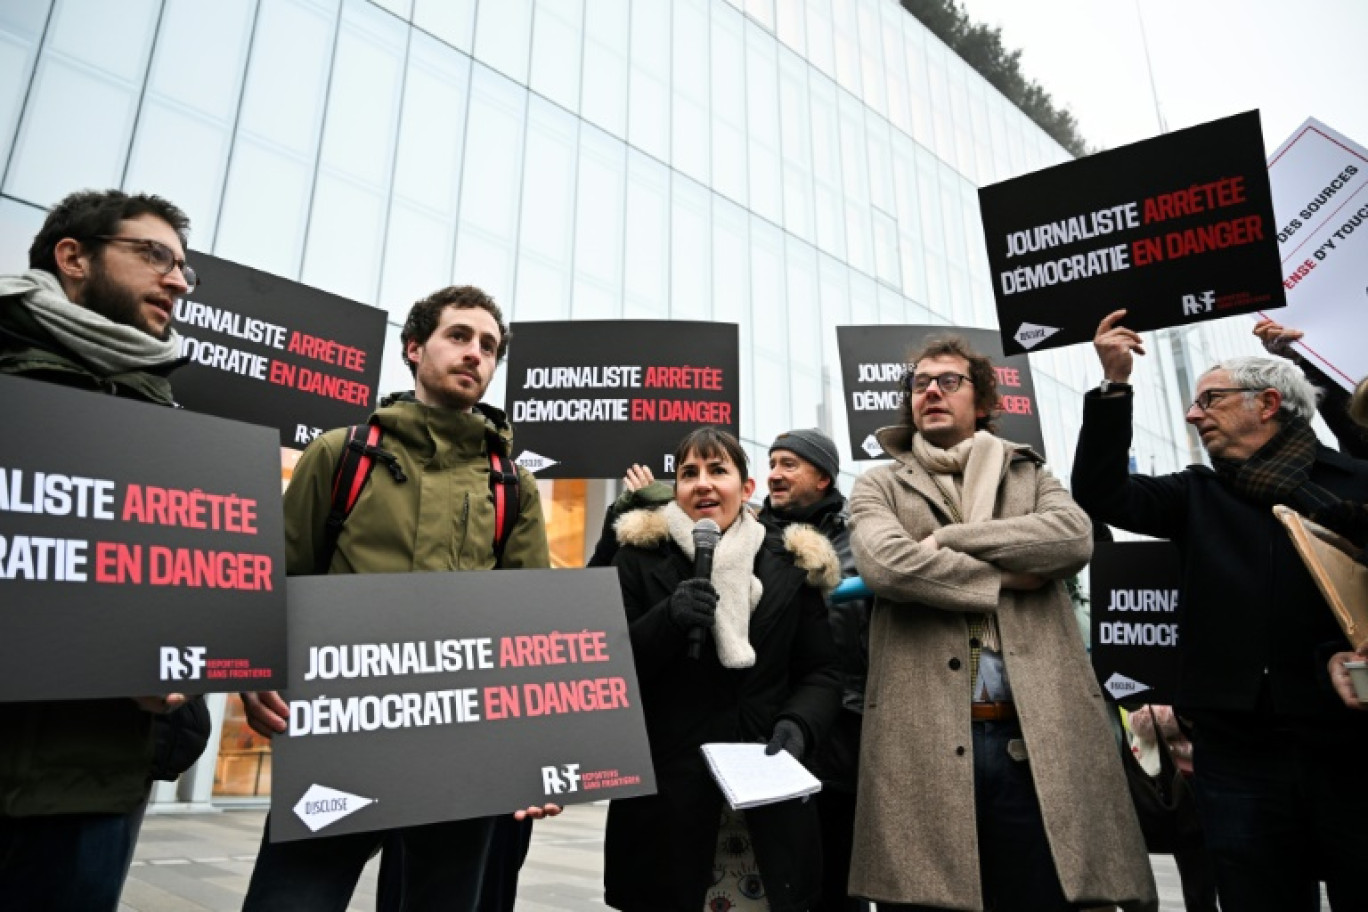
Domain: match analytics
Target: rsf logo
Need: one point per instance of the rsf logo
(557, 780)
(1194, 304)
(182, 664)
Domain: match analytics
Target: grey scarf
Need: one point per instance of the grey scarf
(108, 347)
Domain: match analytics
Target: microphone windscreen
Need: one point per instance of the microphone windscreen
(706, 533)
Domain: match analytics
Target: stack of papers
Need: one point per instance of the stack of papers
(748, 778)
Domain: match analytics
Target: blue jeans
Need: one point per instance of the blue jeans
(1284, 807)
(1016, 868)
(62, 862)
(441, 868)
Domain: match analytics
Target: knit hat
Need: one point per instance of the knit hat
(814, 446)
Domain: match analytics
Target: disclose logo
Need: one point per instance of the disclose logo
(1029, 335)
(535, 462)
(1121, 686)
(321, 806)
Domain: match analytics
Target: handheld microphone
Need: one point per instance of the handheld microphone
(706, 534)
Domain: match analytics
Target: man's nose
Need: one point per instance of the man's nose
(174, 281)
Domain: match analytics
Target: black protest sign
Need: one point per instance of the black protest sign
(270, 351)
(141, 549)
(874, 358)
(1135, 620)
(588, 398)
(421, 697)
(1177, 229)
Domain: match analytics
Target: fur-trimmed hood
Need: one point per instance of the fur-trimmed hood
(810, 549)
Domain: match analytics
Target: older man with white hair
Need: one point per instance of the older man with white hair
(1278, 757)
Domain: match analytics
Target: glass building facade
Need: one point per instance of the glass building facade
(787, 165)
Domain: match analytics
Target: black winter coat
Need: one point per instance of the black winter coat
(1255, 630)
(838, 762)
(659, 849)
(85, 756)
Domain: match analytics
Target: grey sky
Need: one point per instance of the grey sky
(1211, 58)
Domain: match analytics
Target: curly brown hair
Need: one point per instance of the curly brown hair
(424, 316)
(981, 375)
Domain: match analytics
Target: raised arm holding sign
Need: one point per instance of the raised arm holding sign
(1256, 631)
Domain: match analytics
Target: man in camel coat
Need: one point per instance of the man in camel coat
(989, 777)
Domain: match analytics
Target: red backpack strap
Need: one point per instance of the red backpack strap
(359, 455)
(503, 485)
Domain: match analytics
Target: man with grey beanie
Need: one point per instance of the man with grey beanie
(804, 464)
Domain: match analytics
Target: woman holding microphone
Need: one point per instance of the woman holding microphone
(762, 668)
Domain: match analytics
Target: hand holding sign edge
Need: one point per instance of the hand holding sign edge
(537, 813)
(1116, 347)
(267, 713)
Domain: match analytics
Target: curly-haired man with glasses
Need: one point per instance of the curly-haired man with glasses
(1278, 757)
(988, 774)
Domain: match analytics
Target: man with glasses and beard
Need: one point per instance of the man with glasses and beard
(989, 777)
(92, 312)
(1277, 757)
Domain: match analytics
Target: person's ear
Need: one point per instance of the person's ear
(1270, 402)
(73, 264)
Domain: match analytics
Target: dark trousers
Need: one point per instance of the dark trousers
(1283, 805)
(441, 869)
(64, 862)
(508, 846)
(836, 816)
(1016, 868)
(1195, 872)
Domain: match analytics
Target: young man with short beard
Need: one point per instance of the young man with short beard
(435, 514)
(92, 312)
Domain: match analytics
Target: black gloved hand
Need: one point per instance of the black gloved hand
(788, 735)
(693, 604)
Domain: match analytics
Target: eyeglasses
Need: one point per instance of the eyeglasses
(158, 255)
(947, 383)
(1207, 397)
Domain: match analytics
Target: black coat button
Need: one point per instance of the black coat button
(954, 664)
(959, 751)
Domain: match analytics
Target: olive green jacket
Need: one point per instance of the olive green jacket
(72, 756)
(440, 518)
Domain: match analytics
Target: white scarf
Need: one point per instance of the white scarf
(733, 576)
(109, 347)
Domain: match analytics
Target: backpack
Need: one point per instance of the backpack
(359, 457)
